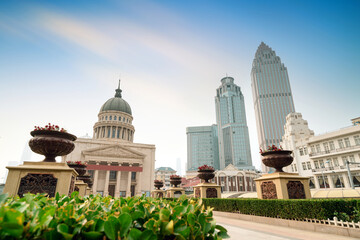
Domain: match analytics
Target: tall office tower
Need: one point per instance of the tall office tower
(202, 147)
(272, 96)
(234, 144)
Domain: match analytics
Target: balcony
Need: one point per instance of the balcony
(341, 168)
(335, 151)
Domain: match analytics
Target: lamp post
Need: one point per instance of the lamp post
(349, 174)
(322, 172)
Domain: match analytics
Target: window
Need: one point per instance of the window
(295, 167)
(304, 166)
(344, 159)
(110, 118)
(347, 142)
(305, 151)
(316, 163)
(357, 140)
(106, 118)
(329, 162)
(336, 161)
(318, 148)
(332, 146)
(112, 175)
(308, 165)
(91, 173)
(341, 143)
(301, 151)
(326, 147)
(114, 118)
(133, 175)
(119, 118)
(312, 149)
(351, 158)
(322, 165)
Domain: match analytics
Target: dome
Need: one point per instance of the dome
(116, 103)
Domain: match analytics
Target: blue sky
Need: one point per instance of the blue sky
(60, 61)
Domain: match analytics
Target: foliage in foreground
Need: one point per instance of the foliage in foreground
(288, 209)
(96, 217)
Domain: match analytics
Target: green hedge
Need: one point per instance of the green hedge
(287, 209)
(96, 217)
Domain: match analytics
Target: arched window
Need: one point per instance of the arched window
(114, 118)
(106, 118)
(110, 118)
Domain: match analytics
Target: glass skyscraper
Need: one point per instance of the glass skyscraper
(272, 96)
(233, 133)
(202, 147)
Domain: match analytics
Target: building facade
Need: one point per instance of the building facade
(331, 160)
(202, 147)
(163, 174)
(272, 96)
(117, 166)
(233, 133)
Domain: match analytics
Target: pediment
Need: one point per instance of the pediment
(115, 151)
(230, 167)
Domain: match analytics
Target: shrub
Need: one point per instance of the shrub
(288, 209)
(96, 217)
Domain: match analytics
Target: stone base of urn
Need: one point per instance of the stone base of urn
(207, 190)
(174, 192)
(282, 185)
(40, 177)
(80, 186)
(88, 191)
(158, 193)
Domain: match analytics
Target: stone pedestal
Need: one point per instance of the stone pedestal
(40, 177)
(282, 185)
(174, 192)
(88, 191)
(80, 186)
(158, 193)
(207, 190)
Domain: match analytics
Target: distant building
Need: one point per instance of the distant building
(163, 174)
(202, 147)
(272, 96)
(324, 158)
(117, 165)
(233, 133)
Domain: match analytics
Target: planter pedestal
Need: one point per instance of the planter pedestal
(175, 192)
(207, 190)
(40, 177)
(80, 186)
(282, 185)
(158, 193)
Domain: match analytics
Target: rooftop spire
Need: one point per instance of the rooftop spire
(118, 91)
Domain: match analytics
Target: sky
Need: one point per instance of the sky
(61, 60)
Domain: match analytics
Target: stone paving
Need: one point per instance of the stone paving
(240, 229)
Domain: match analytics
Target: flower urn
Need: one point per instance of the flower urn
(51, 143)
(206, 174)
(277, 159)
(175, 181)
(79, 167)
(158, 184)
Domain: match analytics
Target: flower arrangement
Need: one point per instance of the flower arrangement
(205, 167)
(175, 176)
(157, 181)
(271, 149)
(50, 127)
(80, 163)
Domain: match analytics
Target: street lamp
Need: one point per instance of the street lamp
(349, 174)
(322, 172)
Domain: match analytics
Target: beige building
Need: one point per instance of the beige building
(331, 160)
(163, 174)
(118, 166)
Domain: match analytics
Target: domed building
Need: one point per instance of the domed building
(118, 166)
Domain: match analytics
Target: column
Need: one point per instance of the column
(117, 186)
(128, 188)
(227, 183)
(106, 187)
(96, 175)
(138, 184)
(331, 181)
(346, 180)
(316, 181)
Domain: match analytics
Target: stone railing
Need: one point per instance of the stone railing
(334, 151)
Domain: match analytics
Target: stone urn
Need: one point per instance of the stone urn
(51, 143)
(175, 181)
(277, 159)
(79, 168)
(206, 174)
(158, 184)
(86, 178)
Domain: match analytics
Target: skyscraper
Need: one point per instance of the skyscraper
(233, 133)
(272, 96)
(202, 147)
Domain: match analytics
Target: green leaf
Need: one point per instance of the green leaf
(3, 198)
(112, 227)
(164, 214)
(170, 227)
(150, 224)
(220, 228)
(12, 228)
(223, 235)
(191, 219)
(147, 235)
(134, 234)
(100, 226)
(179, 210)
(63, 229)
(137, 214)
(52, 235)
(93, 235)
(125, 224)
(14, 216)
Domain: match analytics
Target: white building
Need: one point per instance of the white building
(118, 166)
(163, 174)
(326, 157)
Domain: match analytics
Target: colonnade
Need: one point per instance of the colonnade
(228, 182)
(114, 132)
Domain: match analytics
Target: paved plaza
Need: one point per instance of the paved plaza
(251, 230)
